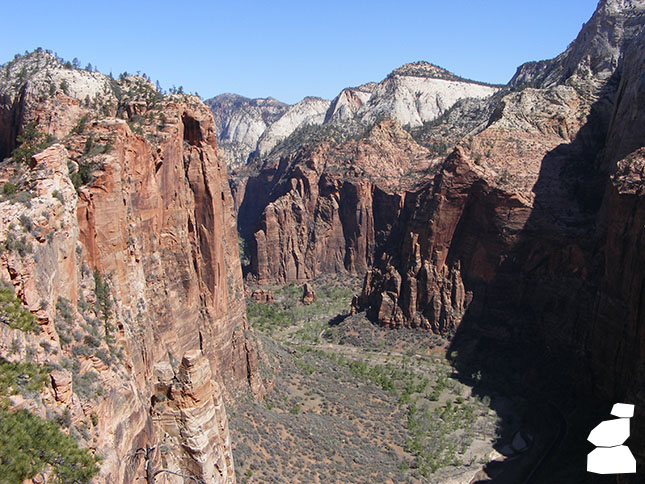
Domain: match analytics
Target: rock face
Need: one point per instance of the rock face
(595, 53)
(308, 206)
(309, 111)
(26, 90)
(148, 238)
(412, 95)
(247, 126)
(195, 419)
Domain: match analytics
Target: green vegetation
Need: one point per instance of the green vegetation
(18, 244)
(30, 142)
(85, 341)
(311, 135)
(244, 251)
(9, 189)
(86, 164)
(29, 444)
(439, 434)
(21, 377)
(86, 385)
(82, 176)
(305, 322)
(13, 314)
(58, 196)
(81, 125)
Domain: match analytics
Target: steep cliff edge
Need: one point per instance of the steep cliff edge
(121, 239)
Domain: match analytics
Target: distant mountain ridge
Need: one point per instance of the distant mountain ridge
(412, 94)
(241, 121)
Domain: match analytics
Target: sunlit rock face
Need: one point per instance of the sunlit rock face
(152, 222)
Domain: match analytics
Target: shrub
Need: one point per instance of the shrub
(20, 245)
(9, 188)
(83, 175)
(103, 302)
(26, 222)
(24, 198)
(86, 385)
(80, 125)
(13, 314)
(58, 196)
(17, 377)
(29, 444)
(30, 142)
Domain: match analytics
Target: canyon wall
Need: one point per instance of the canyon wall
(532, 230)
(127, 254)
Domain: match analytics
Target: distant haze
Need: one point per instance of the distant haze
(289, 49)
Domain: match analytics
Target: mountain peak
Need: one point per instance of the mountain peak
(595, 53)
(424, 69)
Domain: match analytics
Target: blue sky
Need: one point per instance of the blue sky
(290, 49)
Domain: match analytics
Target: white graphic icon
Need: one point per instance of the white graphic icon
(611, 456)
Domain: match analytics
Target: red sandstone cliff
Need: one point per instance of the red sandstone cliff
(152, 222)
(328, 206)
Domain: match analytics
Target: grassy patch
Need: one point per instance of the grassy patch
(304, 323)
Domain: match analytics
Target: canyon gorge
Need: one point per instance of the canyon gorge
(192, 272)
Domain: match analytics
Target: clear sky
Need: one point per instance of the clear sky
(290, 49)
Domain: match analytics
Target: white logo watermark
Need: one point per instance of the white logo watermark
(611, 456)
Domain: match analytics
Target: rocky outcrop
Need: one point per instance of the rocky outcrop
(418, 282)
(521, 196)
(308, 294)
(130, 270)
(194, 419)
(62, 385)
(595, 53)
(263, 296)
